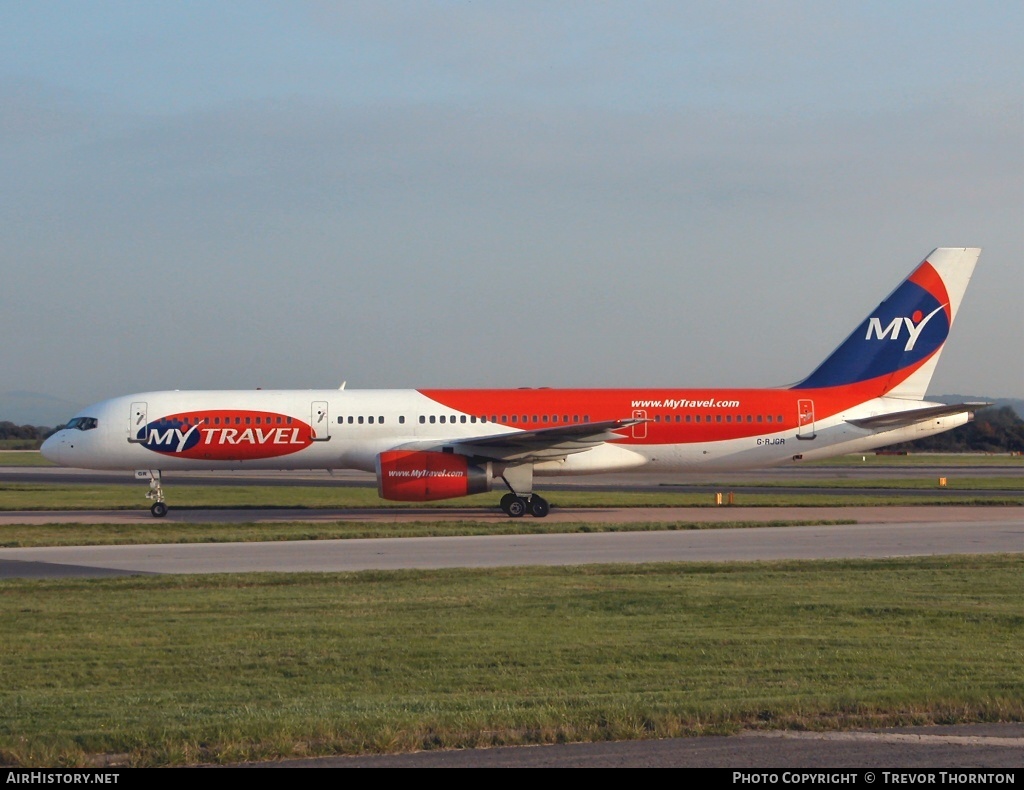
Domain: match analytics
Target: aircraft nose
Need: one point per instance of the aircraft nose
(51, 447)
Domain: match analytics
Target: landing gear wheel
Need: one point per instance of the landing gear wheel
(516, 507)
(156, 491)
(539, 506)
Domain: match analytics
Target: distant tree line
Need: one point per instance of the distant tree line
(23, 437)
(8, 430)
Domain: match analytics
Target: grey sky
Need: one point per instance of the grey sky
(292, 194)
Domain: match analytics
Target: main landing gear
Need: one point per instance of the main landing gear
(520, 498)
(517, 506)
(156, 491)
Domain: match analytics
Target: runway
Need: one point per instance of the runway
(885, 531)
(812, 754)
(774, 479)
(880, 532)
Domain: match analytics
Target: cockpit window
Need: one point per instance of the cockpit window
(82, 423)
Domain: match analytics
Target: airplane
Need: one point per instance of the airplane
(431, 444)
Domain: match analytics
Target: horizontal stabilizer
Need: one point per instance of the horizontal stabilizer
(899, 419)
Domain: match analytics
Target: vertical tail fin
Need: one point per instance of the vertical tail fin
(895, 350)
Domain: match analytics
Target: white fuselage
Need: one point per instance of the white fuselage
(338, 429)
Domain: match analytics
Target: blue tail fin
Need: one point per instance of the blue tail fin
(895, 350)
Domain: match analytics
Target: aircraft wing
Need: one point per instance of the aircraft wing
(898, 419)
(543, 444)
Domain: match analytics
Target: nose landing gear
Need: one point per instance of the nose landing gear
(156, 491)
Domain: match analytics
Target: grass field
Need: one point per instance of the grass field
(966, 490)
(179, 670)
(153, 531)
(22, 458)
(924, 459)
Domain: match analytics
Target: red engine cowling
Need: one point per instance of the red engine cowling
(410, 476)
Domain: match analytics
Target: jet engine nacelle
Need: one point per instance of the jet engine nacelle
(421, 476)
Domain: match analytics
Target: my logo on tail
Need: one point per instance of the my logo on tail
(905, 315)
(915, 324)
